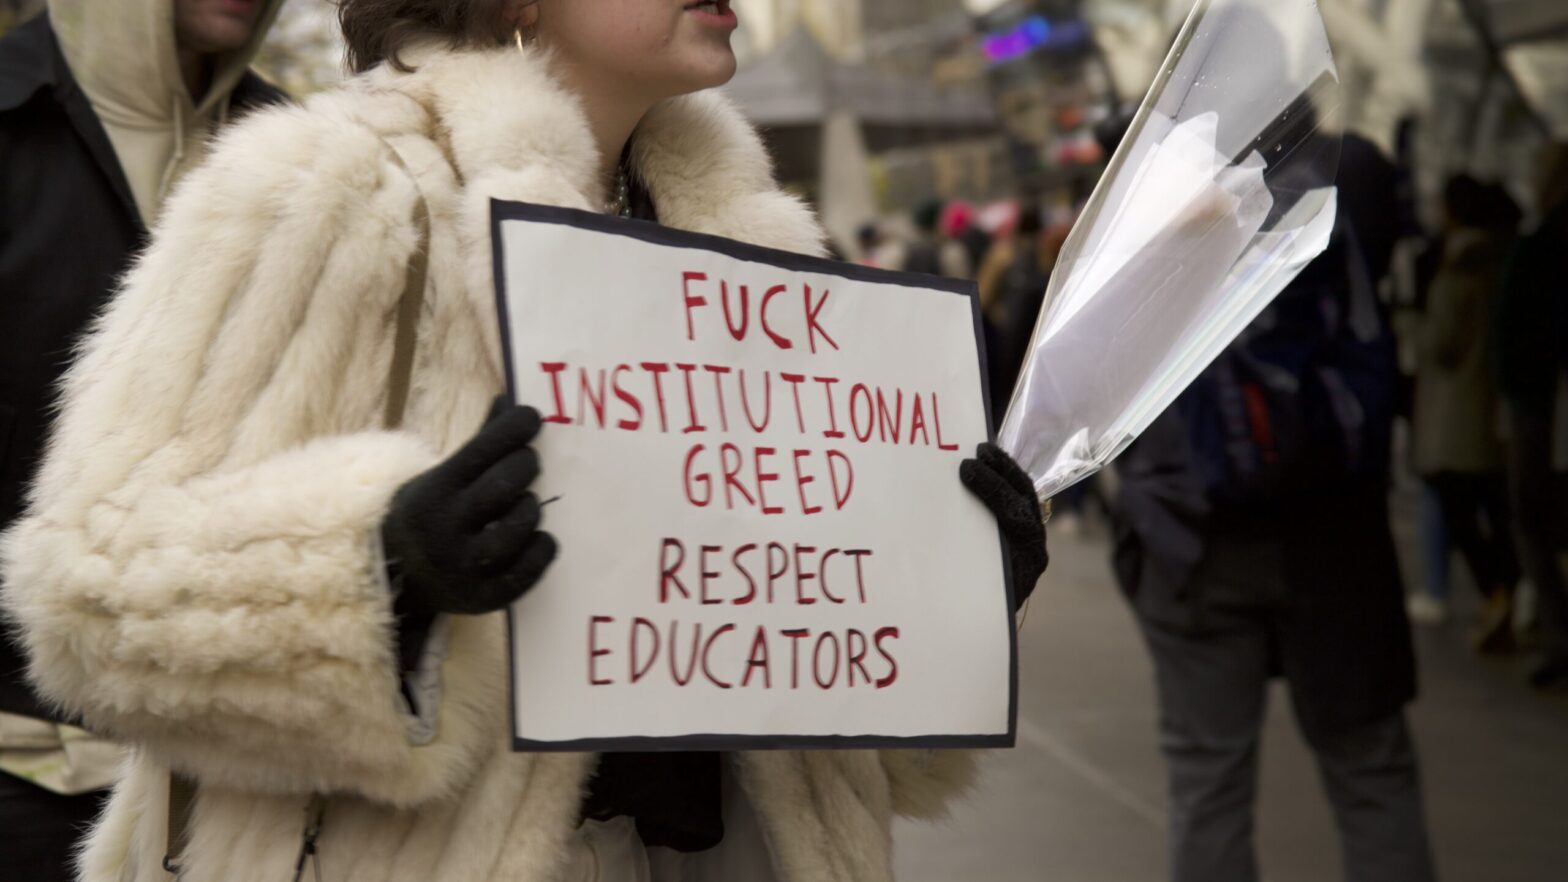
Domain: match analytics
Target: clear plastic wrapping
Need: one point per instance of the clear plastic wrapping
(1218, 196)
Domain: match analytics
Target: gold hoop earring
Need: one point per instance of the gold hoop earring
(525, 37)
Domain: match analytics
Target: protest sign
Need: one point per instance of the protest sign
(750, 460)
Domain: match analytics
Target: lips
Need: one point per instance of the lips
(245, 9)
(713, 12)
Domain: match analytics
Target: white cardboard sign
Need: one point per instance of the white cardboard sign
(750, 460)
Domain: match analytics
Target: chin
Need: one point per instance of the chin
(709, 73)
(224, 35)
(720, 76)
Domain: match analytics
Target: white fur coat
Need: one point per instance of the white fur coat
(197, 573)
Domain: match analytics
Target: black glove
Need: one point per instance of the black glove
(464, 537)
(1008, 492)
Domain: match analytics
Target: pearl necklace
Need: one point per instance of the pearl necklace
(620, 202)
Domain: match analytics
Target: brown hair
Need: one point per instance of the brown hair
(376, 30)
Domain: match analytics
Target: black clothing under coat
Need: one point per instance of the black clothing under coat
(69, 228)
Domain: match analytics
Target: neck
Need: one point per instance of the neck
(611, 132)
(193, 70)
(613, 113)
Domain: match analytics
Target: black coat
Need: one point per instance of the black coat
(68, 229)
(1343, 638)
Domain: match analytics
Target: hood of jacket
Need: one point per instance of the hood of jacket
(123, 56)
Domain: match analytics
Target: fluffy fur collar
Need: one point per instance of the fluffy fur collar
(502, 110)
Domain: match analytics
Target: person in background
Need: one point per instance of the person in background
(1252, 539)
(104, 105)
(1428, 603)
(932, 252)
(1417, 257)
(872, 245)
(1020, 291)
(992, 268)
(1458, 451)
(1532, 353)
(961, 224)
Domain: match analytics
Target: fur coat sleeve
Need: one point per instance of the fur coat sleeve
(197, 572)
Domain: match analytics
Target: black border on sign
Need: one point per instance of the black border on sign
(503, 211)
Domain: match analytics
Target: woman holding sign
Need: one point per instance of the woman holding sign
(233, 561)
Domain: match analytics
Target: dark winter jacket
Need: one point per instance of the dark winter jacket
(69, 228)
(1193, 525)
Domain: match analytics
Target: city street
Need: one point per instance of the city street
(1081, 798)
(437, 435)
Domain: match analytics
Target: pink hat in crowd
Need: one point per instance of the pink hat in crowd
(957, 216)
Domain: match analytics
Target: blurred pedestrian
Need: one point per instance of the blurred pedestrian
(961, 224)
(104, 105)
(1019, 292)
(1532, 354)
(1458, 450)
(992, 267)
(281, 515)
(931, 252)
(1253, 541)
(1428, 603)
(877, 249)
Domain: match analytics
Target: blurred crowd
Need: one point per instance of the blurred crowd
(1485, 345)
(1254, 523)
(1473, 405)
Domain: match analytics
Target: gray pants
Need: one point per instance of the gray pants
(1212, 692)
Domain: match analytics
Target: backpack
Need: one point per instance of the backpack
(1304, 401)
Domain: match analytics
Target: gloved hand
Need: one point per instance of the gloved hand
(1008, 492)
(464, 537)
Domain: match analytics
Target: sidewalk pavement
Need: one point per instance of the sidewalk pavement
(1081, 797)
